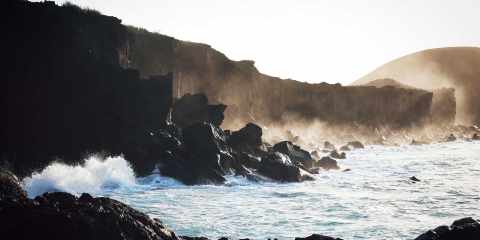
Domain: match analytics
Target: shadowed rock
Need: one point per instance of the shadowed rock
(318, 237)
(414, 179)
(249, 140)
(461, 229)
(9, 187)
(327, 163)
(195, 108)
(279, 167)
(355, 144)
(335, 154)
(451, 138)
(475, 136)
(329, 146)
(295, 153)
(415, 143)
(344, 148)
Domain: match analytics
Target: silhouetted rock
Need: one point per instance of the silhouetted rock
(347, 170)
(195, 108)
(461, 229)
(255, 177)
(318, 237)
(242, 170)
(279, 167)
(327, 163)
(190, 172)
(414, 179)
(451, 138)
(295, 153)
(329, 146)
(9, 187)
(475, 136)
(335, 154)
(248, 160)
(249, 137)
(355, 144)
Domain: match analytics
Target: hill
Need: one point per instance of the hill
(379, 83)
(453, 67)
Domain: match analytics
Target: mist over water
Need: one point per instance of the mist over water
(373, 201)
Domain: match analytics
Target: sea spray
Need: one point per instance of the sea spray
(94, 176)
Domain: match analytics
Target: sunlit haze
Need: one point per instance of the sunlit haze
(312, 41)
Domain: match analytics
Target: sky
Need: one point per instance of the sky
(335, 41)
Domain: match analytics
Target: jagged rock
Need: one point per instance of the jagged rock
(335, 154)
(248, 160)
(318, 237)
(194, 108)
(451, 138)
(207, 144)
(414, 179)
(295, 153)
(344, 148)
(355, 144)
(415, 143)
(461, 229)
(9, 187)
(242, 170)
(249, 140)
(279, 167)
(475, 136)
(327, 163)
(61, 215)
(255, 177)
(190, 172)
(329, 146)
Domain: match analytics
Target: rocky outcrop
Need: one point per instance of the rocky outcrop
(327, 163)
(195, 108)
(335, 154)
(461, 229)
(318, 237)
(355, 144)
(249, 140)
(279, 167)
(295, 153)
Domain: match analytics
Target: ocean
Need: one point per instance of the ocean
(375, 200)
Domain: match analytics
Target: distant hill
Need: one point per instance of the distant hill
(457, 67)
(387, 82)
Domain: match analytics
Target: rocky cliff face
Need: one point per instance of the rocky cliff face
(252, 96)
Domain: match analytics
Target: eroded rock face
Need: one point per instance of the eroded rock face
(195, 108)
(461, 229)
(295, 153)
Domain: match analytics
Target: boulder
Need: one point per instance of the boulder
(344, 148)
(190, 172)
(195, 108)
(9, 187)
(318, 237)
(255, 177)
(279, 167)
(451, 138)
(329, 146)
(327, 163)
(355, 144)
(295, 153)
(413, 178)
(415, 143)
(314, 154)
(207, 144)
(335, 154)
(465, 228)
(249, 140)
(475, 136)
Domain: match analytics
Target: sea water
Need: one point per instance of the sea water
(375, 200)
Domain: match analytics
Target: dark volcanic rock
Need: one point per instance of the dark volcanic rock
(249, 140)
(10, 188)
(195, 108)
(355, 144)
(207, 144)
(327, 163)
(461, 229)
(475, 136)
(190, 172)
(318, 237)
(414, 179)
(295, 153)
(279, 167)
(242, 170)
(62, 216)
(248, 160)
(451, 138)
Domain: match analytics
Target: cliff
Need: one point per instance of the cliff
(452, 67)
(253, 96)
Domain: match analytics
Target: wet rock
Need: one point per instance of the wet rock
(415, 143)
(248, 160)
(297, 174)
(314, 154)
(255, 177)
(475, 136)
(355, 144)
(344, 148)
(327, 163)
(207, 144)
(347, 170)
(295, 153)
(9, 187)
(195, 108)
(329, 146)
(461, 229)
(451, 138)
(318, 237)
(249, 140)
(242, 170)
(414, 179)
(335, 154)
(279, 167)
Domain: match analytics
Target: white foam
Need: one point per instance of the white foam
(95, 175)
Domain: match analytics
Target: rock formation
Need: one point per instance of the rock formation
(461, 229)
(195, 108)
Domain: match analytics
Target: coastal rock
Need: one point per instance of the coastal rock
(279, 167)
(413, 178)
(242, 170)
(190, 172)
(207, 144)
(315, 155)
(475, 136)
(451, 138)
(355, 144)
(415, 143)
(295, 153)
(318, 237)
(248, 160)
(251, 136)
(195, 108)
(329, 146)
(61, 215)
(335, 154)
(344, 148)
(327, 163)
(461, 229)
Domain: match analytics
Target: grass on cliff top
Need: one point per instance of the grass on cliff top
(79, 9)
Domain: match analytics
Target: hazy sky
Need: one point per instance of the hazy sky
(314, 41)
